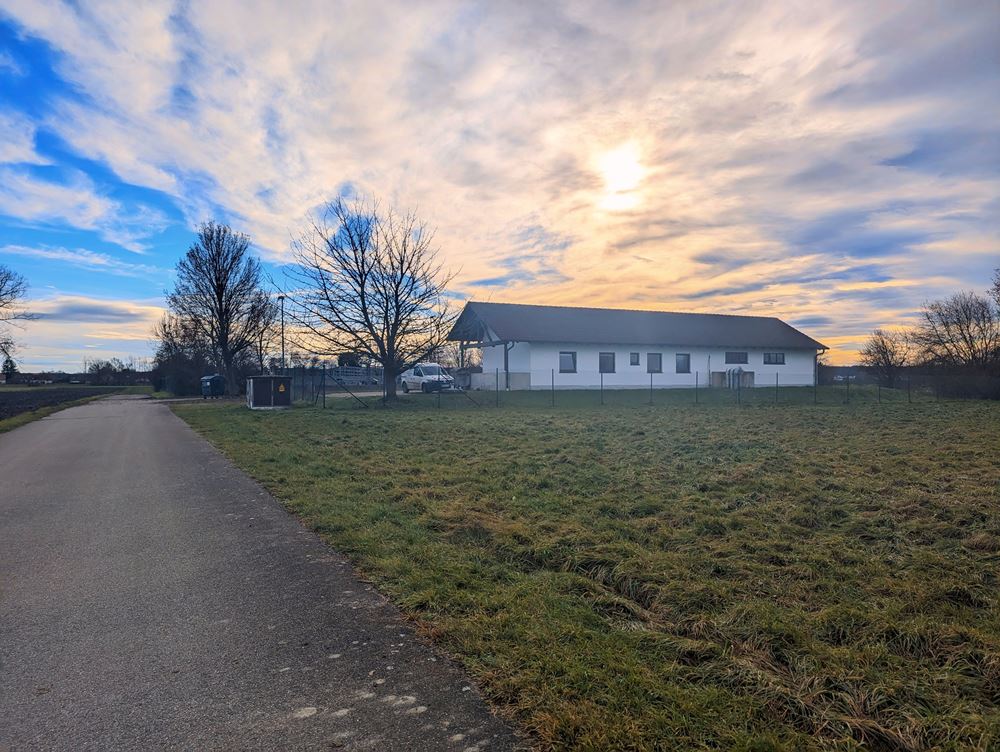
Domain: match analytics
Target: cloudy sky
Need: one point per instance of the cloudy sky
(832, 163)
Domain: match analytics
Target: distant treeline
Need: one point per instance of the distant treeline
(953, 348)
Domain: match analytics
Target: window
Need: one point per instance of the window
(633, 359)
(417, 372)
(654, 362)
(683, 362)
(774, 359)
(607, 362)
(567, 362)
(736, 357)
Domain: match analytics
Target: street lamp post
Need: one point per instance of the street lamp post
(281, 299)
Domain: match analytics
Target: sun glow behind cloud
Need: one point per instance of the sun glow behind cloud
(831, 163)
(622, 173)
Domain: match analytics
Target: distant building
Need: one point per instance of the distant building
(540, 347)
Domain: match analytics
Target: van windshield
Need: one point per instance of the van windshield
(432, 370)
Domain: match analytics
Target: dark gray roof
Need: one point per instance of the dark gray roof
(535, 323)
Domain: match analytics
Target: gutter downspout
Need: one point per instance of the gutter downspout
(507, 347)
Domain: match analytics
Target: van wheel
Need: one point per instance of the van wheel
(406, 388)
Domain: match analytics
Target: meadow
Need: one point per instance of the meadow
(680, 576)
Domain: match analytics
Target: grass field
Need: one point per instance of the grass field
(677, 576)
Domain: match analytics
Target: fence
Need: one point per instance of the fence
(337, 388)
(313, 384)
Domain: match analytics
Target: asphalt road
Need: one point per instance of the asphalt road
(152, 596)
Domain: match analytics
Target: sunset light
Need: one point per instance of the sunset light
(622, 173)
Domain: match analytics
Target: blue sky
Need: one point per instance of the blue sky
(835, 164)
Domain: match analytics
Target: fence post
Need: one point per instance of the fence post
(696, 387)
(439, 399)
(553, 387)
(739, 389)
(908, 398)
(816, 387)
(878, 391)
(651, 388)
(847, 380)
(776, 388)
(602, 387)
(323, 385)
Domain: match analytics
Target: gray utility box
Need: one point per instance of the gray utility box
(269, 392)
(213, 386)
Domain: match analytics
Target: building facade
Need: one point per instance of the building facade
(546, 347)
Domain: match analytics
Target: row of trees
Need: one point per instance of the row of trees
(219, 314)
(958, 337)
(365, 284)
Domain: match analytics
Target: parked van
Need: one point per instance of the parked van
(426, 377)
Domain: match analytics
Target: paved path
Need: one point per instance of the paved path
(154, 597)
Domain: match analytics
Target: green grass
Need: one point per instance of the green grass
(677, 576)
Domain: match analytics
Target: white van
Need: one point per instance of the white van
(426, 377)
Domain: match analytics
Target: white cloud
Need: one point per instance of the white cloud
(77, 203)
(751, 126)
(9, 65)
(17, 139)
(86, 259)
(72, 328)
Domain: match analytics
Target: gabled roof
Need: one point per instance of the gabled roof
(511, 322)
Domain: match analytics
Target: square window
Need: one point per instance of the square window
(567, 362)
(654, 362)
(774, 359)
(633, 359)
(736, 358)
(607, 362)
(683, 362)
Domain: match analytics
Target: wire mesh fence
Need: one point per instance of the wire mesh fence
(361, 388)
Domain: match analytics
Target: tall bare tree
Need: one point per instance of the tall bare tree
(886, 353)
(995, 290)
(963, 330)
(368, 281)
(220, 292)
(267, 333)
(13, 288)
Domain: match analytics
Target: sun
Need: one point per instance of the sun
(623, 172)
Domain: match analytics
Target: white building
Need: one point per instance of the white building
(544, 347)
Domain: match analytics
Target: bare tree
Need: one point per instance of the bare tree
(220, 292)
(369, 282)
(963, 330)
(267, 333)
(450, 355)
(995, 290)
(886, 353)
(13, 288)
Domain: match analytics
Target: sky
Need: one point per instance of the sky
(835, 164)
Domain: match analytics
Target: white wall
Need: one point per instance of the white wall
(539, 360)
(519, 358)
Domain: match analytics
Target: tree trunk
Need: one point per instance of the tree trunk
(389, 379)
(227, 372)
